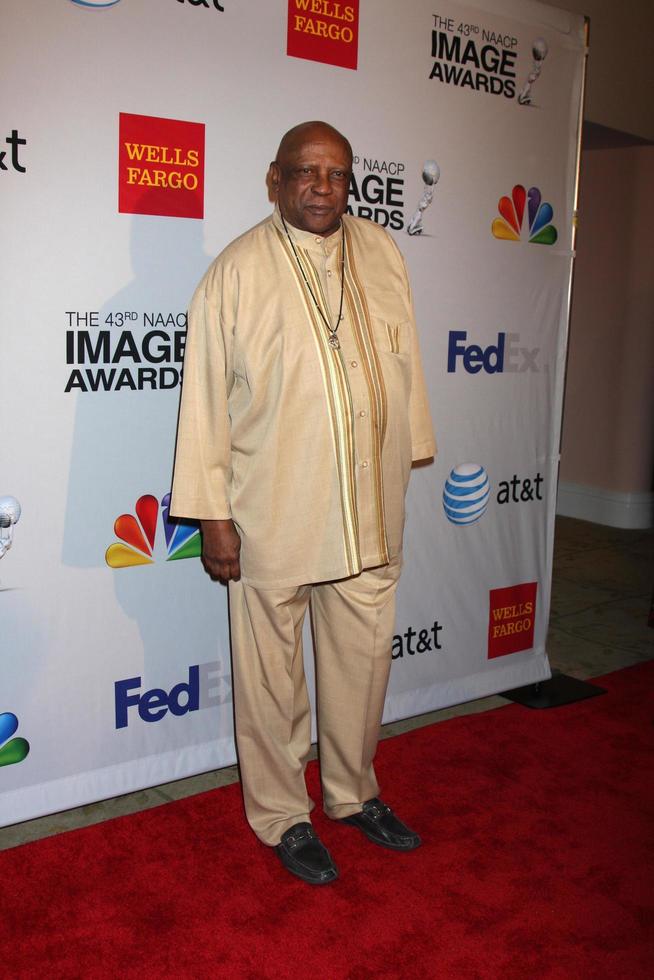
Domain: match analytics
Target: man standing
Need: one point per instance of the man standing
(303, 405)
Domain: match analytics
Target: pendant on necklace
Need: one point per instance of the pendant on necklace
(333, 342)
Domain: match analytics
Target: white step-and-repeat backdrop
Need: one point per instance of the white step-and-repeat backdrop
(136, 141)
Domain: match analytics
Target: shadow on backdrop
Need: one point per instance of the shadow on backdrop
(123, 448)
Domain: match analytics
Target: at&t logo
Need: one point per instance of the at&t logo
(467, 492)
(14, 141)
(506, 355)
(426, 641)
(96, 3)
(204, 3)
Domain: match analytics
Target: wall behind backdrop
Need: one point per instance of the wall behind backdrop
(137, 138)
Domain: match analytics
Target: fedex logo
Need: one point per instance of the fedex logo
(206, 686)
(505, 355)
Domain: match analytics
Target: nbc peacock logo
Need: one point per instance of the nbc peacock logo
(12, 750)
(539, 214)
(138, 534)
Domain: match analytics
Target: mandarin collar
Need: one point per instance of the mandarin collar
(306, 239)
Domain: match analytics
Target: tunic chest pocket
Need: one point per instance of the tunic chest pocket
(391, 337)
(390, 325)
(393, 330)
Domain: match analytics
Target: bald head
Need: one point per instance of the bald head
(311, 175)
(312, 131)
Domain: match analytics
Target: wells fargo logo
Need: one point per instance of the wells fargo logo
(321, 30)
(160, 166)
(511, 619)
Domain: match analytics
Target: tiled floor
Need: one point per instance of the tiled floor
(601, 593)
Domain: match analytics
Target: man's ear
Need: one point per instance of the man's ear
(274, 174)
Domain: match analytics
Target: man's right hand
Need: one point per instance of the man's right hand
(221, 548)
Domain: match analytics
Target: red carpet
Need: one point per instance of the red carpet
(537, 862)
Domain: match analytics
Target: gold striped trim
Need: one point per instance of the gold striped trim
(363, 334)
(339, 401)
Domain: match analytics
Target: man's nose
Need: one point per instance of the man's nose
(322, 184)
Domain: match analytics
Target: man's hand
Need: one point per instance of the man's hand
(221, 547)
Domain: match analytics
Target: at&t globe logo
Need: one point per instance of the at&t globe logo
(96, 3)
(466, 493)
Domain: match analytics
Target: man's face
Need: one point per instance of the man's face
(312, 178)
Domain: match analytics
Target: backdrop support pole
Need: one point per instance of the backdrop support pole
(562, 689)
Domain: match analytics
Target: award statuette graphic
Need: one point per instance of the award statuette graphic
(430, 175)
(539, 51)
(9, 515)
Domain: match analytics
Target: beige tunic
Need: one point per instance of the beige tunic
(306, 447)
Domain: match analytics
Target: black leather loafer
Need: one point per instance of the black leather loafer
(303, 854)
(378, 822)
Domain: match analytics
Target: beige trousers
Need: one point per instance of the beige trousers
(353, 621)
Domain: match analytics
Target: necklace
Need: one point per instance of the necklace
(332, 340)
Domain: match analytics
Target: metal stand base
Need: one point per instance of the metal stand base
(558, 690)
